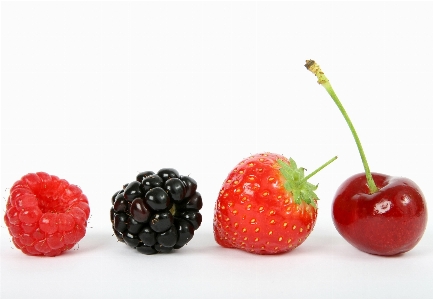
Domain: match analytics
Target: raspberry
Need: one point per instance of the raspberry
(157, 212)
(46, 215)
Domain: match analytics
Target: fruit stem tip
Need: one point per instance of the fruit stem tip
(318, 169)
(313, 67)
(309, 63)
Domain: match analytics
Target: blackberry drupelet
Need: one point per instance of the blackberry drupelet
(158, 212)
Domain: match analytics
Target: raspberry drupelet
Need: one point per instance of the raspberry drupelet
(46, 215)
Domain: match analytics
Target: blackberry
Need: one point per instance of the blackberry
(158, 212)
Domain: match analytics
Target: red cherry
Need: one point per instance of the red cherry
(376, 213)
(387, 222)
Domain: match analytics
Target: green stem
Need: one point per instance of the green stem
(317, 170)
(312, 66)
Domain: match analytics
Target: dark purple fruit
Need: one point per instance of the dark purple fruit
(185, 231)
(143, 175)
(132, 191)
(168, 173)
(194, 202)
(193, 217)
(139, 210)
(190, 185)
(133, 226)
(146, 249)
(160, 222)
(147, 236)
(121, 204)
(131, 240)
(157, 199)
(156, 213)
(118, 235)
(167, 238)
(112, 215)
(113, 198)
(150, 182)
(176, 189)
(162, 249)
(120, 221)
(118, 195)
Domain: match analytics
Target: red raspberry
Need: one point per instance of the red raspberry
(46, 215)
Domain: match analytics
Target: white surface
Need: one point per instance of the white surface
(96, 92)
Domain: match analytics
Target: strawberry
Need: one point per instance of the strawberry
(266, 205)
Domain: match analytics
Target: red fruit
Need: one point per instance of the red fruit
(265, 206)
(376, 213)
(387, 222)
(46, 215)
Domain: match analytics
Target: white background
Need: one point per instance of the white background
(95, 92)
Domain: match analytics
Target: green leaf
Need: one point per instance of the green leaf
(302, 190)
(292, 164)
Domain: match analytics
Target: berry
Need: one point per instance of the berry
(265, 206)
(157, 213)
(46, 215)
(376, 213)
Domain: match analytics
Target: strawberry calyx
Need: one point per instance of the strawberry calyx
(297, 183)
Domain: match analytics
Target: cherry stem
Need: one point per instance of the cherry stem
(317, 170)
(313, 67)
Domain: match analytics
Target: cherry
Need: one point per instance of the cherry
(376, 213)
(387, 222)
